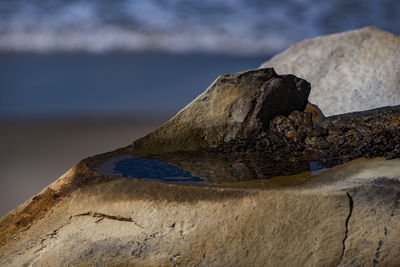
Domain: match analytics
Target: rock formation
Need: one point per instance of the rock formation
(267, 199)
(345, 216)
(351, 71)
(235, 105)
(300, 139)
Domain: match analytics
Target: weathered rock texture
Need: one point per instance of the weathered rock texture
(350, 71)
(342, 217)
(291, 142)
(245, 126)
(235, 105)
(345, 216)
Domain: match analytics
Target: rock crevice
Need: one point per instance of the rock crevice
(346, 234)
(102, 216)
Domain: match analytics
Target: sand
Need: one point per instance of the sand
(34, 153)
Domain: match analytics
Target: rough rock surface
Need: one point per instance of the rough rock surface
(348, 215)
(342, 217)
(235, 105)
(351, 71)
(292, 142)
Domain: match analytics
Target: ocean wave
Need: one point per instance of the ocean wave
(115, 39)
(225, 26)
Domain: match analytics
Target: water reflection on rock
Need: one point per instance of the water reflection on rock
(202, 167)
(218, 169)
(144, 168)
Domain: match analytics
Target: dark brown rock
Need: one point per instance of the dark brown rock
(234, 106)
(374, 133)
(279, 95)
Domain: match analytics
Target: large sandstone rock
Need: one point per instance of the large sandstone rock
(235, 105)
(347, 216)
(350, 71)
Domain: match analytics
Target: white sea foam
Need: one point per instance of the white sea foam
(227, 26)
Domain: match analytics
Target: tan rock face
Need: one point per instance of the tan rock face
(235, 105)
(351, 71)
(341, 217)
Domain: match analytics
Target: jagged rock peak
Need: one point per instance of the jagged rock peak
(233, 106)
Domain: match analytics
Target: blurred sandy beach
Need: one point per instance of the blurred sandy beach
(36, 152)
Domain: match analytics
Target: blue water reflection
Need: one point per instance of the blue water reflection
(316, 167)
(143, 168)
(153, 169)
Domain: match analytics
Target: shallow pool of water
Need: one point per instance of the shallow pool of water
(200, 168)
(144, 168)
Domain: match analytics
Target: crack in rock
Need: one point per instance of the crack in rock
(102, 216)
(377, 253)
(351, 204)
(14, 236)
(43, 245)
(46, 237)
(99, 215)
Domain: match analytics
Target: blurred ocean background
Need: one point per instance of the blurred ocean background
(81, 77)
(247, 27)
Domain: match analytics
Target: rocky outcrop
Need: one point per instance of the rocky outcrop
(291, 142)
(264, 196)
(235, 105)
(341, 217)
(351, 71)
